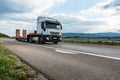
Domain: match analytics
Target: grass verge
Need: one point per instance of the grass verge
(11, 68)
(88, 42)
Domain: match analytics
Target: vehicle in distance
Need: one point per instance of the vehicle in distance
(48, 30)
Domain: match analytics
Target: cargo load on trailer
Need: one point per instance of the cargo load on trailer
(48, 30)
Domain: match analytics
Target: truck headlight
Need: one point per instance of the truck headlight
(47, 38)
(60, 38)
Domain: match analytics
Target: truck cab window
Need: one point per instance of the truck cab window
(59, 27)
(53, 25)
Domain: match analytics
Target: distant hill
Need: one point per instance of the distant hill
(91, 35)
(4, 35)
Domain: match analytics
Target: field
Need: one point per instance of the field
(104, 41)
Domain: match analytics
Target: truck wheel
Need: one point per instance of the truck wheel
(41, 41)
(55, 42)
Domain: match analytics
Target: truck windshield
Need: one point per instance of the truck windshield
(53, 26)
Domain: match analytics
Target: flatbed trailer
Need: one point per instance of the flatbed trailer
(48, 30)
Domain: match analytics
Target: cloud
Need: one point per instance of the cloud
(18, 10)
(105, 11)
(98, 11)
(9, 26)
(93, 20)
(75, 23)
(113, 4)
(16, 6)
(22, 14)
(102, 17)
(26, 8)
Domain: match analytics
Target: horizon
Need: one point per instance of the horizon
(85, 16)
(83, 33)
(96, 33)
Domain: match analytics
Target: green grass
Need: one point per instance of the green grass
(88, 42)
(11, 68)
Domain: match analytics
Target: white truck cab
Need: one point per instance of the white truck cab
(49, 29)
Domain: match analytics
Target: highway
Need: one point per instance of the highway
(69, 61)
(96, 50)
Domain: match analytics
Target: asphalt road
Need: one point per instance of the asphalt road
(103, 50)
(58, 65)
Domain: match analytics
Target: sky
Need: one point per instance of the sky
(76, 16)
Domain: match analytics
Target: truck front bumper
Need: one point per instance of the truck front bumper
(52, 38)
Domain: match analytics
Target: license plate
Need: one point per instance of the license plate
(54, 38)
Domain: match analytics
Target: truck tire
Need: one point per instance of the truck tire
(30, 40)
(55, 42)
(41, 40)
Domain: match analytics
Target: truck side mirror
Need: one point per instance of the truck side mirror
(44, 26)
(61, 27)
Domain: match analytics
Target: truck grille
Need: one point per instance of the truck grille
(54, 33)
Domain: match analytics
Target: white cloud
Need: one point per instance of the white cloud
(93, 20)
(23, 14)
(76, 23)
(100, 12)
(10, 26)
(99, 18)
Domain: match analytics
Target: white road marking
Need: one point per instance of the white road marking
(64, 51)
(76, 52)
(79, 52)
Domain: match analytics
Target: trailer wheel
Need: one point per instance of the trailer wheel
(30, 40)
(41, 41)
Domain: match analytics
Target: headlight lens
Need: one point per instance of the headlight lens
(47, 38)
(60, 38)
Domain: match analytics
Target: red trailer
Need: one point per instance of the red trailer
(17, 34)
(24, 34)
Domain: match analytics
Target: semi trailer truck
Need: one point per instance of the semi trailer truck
(48, 30)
